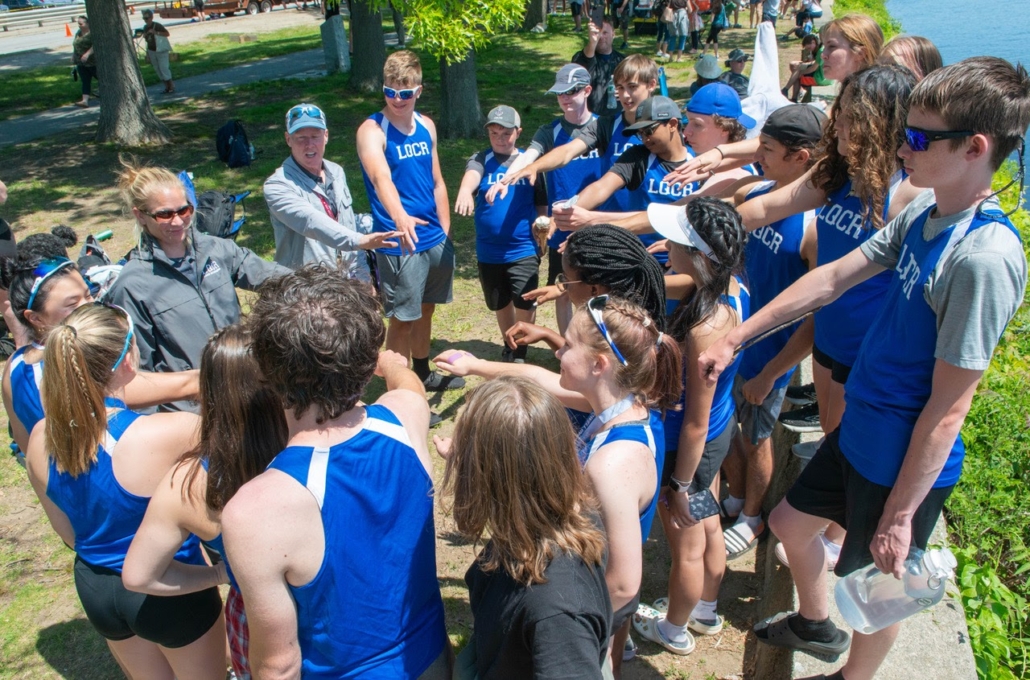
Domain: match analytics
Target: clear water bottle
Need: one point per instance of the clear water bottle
(611, 94)
(870, 600)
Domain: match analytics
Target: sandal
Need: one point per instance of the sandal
(82, 104)
(737, 546)
(645, 622)
(776, 632)
(699, 626)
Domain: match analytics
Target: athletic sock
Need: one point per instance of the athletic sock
(421, 367)
(672, 632)
(752, 521)
(733, 505)
(812, 631)
(705, 611)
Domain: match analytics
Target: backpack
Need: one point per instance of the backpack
(216, 213)
(233, 146)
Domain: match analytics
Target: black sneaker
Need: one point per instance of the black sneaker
(507, 355)
(801, 395)
(434, 419)
(435, 382)
(804, 419)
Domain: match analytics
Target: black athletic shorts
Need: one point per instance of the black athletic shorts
(831, 488)
(714, 454)
(838, 372)
(553, 265)
(506, 283)
(119, 614)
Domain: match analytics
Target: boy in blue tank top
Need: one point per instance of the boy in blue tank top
(958, 275)
(399, 162)
(338, 533)
(505, 246)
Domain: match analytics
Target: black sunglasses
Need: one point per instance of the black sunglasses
(920, 139)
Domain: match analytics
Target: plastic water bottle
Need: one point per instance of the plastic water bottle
(611, 93)
(870, 600)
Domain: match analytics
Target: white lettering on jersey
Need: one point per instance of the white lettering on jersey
(769, 237)
(412, 150)
(663, 188)
(908, 271)
(846, 221)
(593, 153)
(619, 149)
(495, 177)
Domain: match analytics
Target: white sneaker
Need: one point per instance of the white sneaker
(832, 554)
(806, 450)
(629, 650)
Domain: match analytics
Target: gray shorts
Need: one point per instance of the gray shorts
(757, 422)
(409, 281)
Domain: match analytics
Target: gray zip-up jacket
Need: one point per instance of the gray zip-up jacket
(305, 232)
(175, 315)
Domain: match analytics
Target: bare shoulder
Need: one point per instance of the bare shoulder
(176, 430)
(267, 502)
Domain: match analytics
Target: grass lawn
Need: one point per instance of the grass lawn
(68, 179)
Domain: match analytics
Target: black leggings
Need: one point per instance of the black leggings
(86, 75)
(713, 34)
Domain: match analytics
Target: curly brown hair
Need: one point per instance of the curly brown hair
(875, 104)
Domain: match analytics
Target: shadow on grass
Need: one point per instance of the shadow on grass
(76, 651)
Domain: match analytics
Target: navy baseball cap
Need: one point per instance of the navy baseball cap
(653, 110)
(721, 99)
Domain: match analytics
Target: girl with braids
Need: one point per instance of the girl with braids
(706, 242)
(242, 428)
(618, 366)
(537, 589)
(94, 464)
(602, 259)
(43, 292)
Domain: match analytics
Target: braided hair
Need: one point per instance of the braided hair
(606, 255)
(35, 248)
(720, 226)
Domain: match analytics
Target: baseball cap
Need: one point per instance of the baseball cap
(505, 116)
(721, 99)
(570, 77)
(671, 222)
(737, 55)
(304, 116)
(708, 67)
(653, 110)
(795, 125)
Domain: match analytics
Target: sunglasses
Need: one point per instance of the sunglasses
(651, 129)
(43, 271)
(128, 335)
(920, 140)
(304, 110)
(185, 212)
(595, 307)
(562, 283)
(573, 91)
(403, 95)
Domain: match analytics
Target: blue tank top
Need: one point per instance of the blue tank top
(564, 183)
(841, 325)
(104, 515)
(217, 545)
(25, 381)
(891, 382)
(376, 503)
(410, 158)
(723, 406)
(621, 200)
(504, 230)
(648, 432)
(772, 258)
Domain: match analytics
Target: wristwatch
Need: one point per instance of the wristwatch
(677, 486)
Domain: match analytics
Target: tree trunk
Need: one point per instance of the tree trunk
(398, 22)
(369, 49)
(126, 117)
(460, 115)
(536, 13)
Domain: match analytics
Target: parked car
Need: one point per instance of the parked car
(18, 5)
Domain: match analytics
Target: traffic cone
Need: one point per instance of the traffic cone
(67, 30)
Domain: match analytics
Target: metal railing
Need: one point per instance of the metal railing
(39, 18)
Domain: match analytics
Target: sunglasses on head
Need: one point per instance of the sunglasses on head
(45, 270)
(595, 307)
(185, 212)
(920, 140)
(302, 110)
(403, 95)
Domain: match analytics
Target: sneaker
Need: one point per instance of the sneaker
(507, 355)
(806, 450)
(435, 382)
(801, 395)
(434, 419)
(804, 419)
(832, 554)
(629, 650)
(624, 45)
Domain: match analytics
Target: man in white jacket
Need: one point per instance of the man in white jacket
(309, 203)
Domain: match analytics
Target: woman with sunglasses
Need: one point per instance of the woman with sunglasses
(94, 464)
(706, 242)
(42, 294)
(617, 366)
(180, 285)
(242, 429)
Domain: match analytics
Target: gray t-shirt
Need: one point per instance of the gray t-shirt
(974, 291)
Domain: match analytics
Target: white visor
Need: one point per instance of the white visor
(671, 222)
